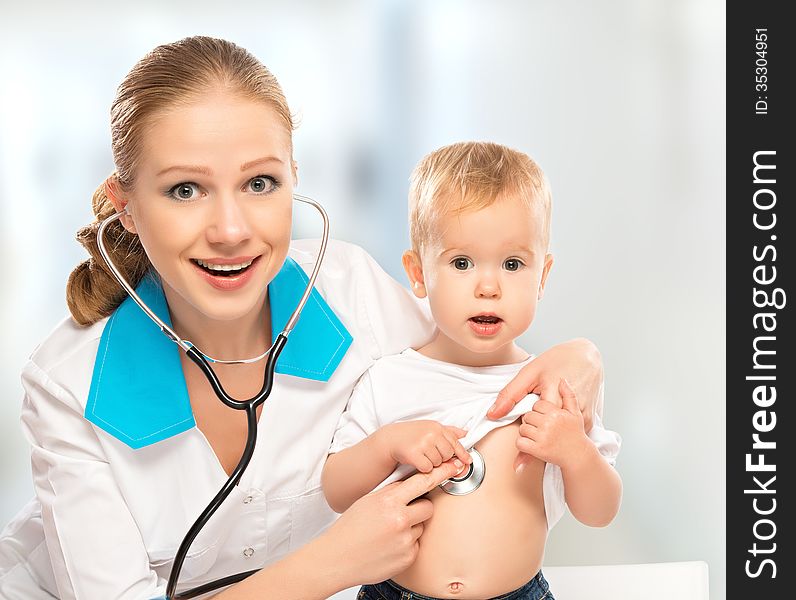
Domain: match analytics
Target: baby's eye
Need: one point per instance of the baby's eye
(184, 191)
(513, 264)
(262, 184)
(462, 263)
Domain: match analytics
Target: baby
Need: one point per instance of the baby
(479, 224)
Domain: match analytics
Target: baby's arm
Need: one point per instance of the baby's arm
(592, 487)
(353, 472)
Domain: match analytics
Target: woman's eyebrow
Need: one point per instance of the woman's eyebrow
(265, 159)
(187, 168)
(206, 171)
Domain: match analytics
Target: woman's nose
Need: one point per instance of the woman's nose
(228, 223)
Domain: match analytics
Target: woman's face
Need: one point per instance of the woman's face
(212, 203)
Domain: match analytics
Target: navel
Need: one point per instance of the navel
(456, 587)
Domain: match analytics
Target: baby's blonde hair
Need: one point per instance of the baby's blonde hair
(469, 176)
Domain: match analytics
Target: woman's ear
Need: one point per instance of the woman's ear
(294, 166)
(119, 200)
(548, 264)
(414, 270)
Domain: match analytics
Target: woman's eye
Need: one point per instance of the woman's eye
(512, 264)
(461, 263)
(184, 191)
(262, 184)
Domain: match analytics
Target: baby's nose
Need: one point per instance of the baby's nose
(488, 289)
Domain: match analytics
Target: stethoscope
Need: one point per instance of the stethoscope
(456, 486)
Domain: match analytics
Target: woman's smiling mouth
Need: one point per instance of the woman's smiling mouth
(218, 268)
(226, 273)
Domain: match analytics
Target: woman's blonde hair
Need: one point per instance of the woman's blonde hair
(169, 76)
(469, 176)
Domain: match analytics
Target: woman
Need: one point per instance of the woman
(129, 443)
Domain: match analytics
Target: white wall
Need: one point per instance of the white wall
(622, 103)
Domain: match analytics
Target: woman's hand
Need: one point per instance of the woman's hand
(578, 361)
(376, 537)
(424, 444)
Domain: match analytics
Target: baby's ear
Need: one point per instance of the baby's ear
(548, 264)
(414, 271)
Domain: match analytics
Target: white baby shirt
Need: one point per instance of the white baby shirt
(409, 386)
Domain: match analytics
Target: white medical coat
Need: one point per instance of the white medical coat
(107, 519)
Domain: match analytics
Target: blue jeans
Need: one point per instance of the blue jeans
(535, 589)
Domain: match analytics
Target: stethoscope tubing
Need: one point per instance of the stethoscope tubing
(249, 406)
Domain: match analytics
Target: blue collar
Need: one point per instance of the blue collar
(138, 392)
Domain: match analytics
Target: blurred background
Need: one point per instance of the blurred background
(621, 102)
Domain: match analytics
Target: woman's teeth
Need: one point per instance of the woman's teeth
(223, 268)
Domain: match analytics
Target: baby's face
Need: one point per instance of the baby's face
(484, 276)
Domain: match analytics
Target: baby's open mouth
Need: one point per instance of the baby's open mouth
(223, 270)
(486, 319)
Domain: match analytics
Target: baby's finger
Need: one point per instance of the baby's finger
(521, 461)
(533, 418)
(433, 455)
(422, 463)
(463, 454)
(445, 448)
(457, 431)
(529, 431)
(460, 452)
(526, 445)
(544, 407)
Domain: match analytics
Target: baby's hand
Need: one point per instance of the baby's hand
(425, 444)
(554, 434)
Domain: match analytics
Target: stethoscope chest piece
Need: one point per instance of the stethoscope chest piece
(469, 482)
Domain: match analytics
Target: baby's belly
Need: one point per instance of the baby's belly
(490, 541)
